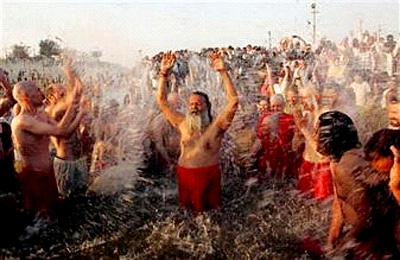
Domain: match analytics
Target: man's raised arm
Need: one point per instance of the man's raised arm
(8, 101)
(70, 74)
(224, 120)
(174, 117)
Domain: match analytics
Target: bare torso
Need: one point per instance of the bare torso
(200, 149)
(32, 148)
(68, 147)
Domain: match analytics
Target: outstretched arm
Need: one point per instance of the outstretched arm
(172, 116)
(224, 120)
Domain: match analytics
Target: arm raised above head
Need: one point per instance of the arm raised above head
(224, 119)
(70, 74)
(172, 116)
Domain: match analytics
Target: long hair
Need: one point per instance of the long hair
(205, 96)
(336, 134)
(379, 144)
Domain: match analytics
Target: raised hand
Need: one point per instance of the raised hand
(77, 91)
(299, 120)
(70, 73)
(167, 62)
(217, 61)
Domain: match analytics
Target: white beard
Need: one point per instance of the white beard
(197, 123)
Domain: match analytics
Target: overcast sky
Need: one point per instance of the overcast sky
(121, 29)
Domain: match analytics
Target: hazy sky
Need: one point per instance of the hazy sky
(120, 29)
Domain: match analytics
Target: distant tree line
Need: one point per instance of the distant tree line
(47, 49)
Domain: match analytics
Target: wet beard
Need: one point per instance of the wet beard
(197, 123)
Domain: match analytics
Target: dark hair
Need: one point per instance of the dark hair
(205, 96)
(380, 142)
(336, 134)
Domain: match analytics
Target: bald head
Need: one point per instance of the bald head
(28, 92)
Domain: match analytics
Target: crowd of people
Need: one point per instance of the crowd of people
(324, 118)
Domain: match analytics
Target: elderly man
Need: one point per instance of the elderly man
(275, 132)
(199, 176)
(31, 130)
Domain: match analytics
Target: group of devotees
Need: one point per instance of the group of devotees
(363, 181)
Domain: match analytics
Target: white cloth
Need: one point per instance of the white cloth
(360, 90)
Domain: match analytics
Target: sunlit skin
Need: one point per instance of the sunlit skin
(68, 147)
(291, 98)
(394, 114)
(383, 164)
(197, 104)
(306, 123)
(394, 183)
(199, 149)
(32, 127)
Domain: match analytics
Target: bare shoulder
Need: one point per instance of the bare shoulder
(23, 122)
(17, 121)
(349, 162)
(354, 164)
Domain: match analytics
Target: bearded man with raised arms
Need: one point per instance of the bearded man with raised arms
(198, 171)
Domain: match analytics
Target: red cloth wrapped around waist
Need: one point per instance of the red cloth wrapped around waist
(200, 187)
(39, 189)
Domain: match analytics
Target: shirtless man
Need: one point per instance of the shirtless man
(314, 174)
(31, 135)
(70, 167)
(199, 176)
